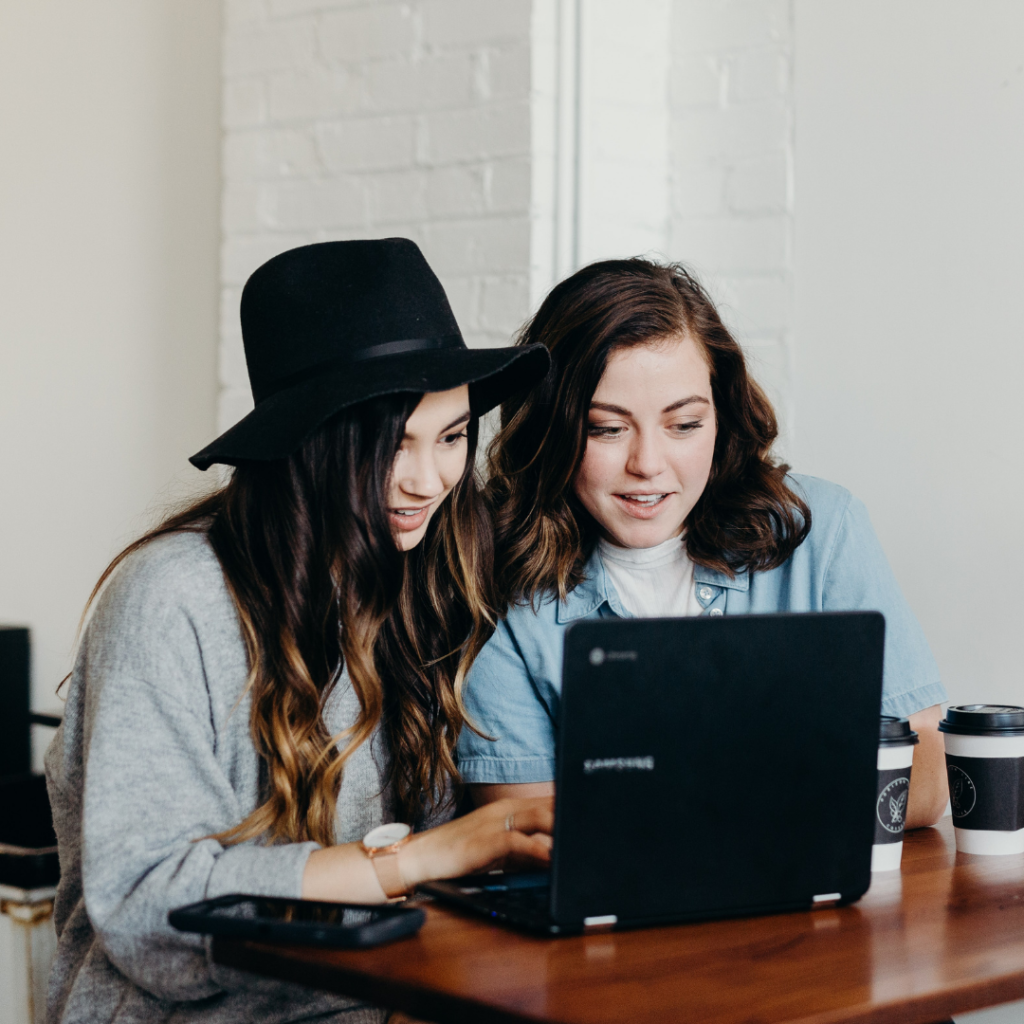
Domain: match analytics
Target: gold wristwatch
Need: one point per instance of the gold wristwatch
(382, 845)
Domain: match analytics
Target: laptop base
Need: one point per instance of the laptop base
(523, 901)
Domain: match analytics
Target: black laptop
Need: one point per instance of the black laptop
(707, 767)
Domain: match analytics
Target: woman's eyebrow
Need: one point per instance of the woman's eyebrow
(692, 400)
(455, 423)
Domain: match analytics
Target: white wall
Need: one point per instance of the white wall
(625, 51)
(732, 163)
(600, 130)
(109, 197)
(364, 120)
(910, 304)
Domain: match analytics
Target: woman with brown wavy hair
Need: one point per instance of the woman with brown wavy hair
(267, 696)
(638, 480)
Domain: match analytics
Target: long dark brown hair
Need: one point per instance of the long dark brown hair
(319, 583)
(747, 516)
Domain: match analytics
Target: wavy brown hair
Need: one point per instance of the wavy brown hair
(319, 583)
(747, 516)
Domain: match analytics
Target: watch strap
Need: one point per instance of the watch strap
(389, 875)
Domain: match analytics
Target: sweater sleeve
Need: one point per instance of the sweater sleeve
(154, 791)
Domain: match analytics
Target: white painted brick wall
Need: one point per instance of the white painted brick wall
(600, 133)
(369, 118)
(440, 120)
(624, 177)
(732, 168)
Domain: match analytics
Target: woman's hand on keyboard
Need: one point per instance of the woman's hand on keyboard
(506, 833)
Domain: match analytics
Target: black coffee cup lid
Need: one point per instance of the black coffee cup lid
(895, 732)
(984, 720)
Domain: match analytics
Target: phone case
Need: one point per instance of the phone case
(387, 923)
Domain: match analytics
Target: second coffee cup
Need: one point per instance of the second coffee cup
(985, 766)
(895, 756)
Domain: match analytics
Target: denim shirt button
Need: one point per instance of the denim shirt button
(705, 594)
(715, 611)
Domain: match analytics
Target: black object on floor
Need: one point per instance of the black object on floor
(15, 741)
(28, 843)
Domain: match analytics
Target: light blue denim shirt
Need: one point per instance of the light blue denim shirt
(514, 687)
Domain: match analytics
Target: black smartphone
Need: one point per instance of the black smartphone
(302, 922)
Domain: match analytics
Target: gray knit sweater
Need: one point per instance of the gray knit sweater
(154, 754)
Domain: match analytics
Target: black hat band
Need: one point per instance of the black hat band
(384, 349)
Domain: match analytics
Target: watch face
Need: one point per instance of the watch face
(386, 835)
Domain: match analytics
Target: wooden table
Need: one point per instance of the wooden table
(943, 936)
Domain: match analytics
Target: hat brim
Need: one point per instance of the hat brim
(279, 424)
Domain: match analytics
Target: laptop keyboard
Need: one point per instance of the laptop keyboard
(533, 901)
(525, 898)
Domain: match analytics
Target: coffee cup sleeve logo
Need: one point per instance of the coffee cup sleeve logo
(963, 794)
(891, 806)
(896, 809)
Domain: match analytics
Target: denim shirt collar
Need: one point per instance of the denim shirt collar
(597, 590)
(714, 578)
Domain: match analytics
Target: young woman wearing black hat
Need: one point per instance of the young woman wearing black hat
(273, 673)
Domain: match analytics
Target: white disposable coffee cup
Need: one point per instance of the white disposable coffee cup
(895, 756)
(985, 767)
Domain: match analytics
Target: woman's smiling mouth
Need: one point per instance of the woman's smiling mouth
(408, 518)
(642, 506)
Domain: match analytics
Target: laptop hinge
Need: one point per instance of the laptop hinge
(603, 923)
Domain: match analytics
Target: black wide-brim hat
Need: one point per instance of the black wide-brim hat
(326, 326)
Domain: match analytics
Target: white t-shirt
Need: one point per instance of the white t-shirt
(654, 581)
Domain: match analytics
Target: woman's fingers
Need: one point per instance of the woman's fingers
(528, 849)
(489, 838)
(534, 815)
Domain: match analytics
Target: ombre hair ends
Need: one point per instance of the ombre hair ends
(319, 584)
